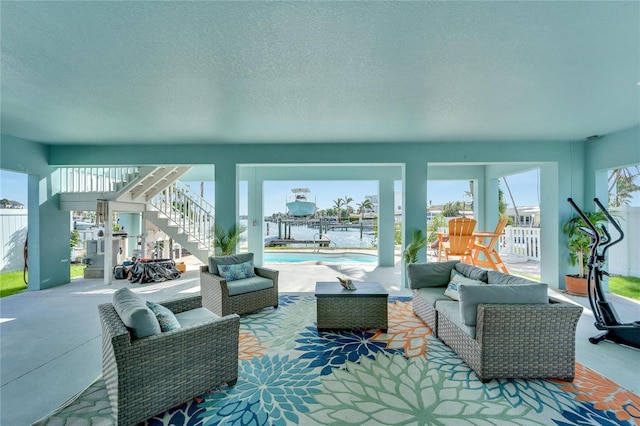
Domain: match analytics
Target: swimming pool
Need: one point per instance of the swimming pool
(293, 257)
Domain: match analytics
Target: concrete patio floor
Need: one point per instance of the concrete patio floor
(50, 345)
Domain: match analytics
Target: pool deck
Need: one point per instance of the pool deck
(51, 339)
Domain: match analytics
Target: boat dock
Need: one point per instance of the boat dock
(347, 225)
(323, 241)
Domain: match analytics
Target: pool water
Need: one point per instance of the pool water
(293, 257)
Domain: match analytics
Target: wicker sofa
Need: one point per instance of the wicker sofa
(239, 296)
(502, 326)
(148, 375)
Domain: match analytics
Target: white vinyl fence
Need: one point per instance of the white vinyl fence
(13, 233)
(624, 257)
(520, 244)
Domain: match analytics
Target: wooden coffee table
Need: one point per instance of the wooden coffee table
(364, 308)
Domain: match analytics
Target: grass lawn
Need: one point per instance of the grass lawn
(625, 286)
(13, 282)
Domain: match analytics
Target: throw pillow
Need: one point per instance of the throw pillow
(456, 280)
(233, 259)
(430, 274)
(472, 296)
(472, 272)
(165, 317)
(135, 314)
(237, 272)
(495, 277)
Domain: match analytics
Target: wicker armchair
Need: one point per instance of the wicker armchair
(215, 293)
(146, 376)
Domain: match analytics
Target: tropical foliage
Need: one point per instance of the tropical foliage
(438, 221)
(622, 184)
(578, 243)
(226, 241)
(418, 242)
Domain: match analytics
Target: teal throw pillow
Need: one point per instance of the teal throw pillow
(454, 285)
(238, 271)
(165, 317)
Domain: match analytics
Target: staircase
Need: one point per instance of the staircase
(185, 217)
(168, 204)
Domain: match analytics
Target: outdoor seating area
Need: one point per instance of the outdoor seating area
(249, 290)
(174, 131)
(183, 348)
(83, 353)
(463, 242)
(503, 326)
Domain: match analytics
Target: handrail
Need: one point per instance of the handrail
(180, 208)
(195, 197)
(95, 179)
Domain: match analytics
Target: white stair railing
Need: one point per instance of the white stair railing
(190, 212)
(95, 179)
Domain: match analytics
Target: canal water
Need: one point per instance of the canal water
(349, 238)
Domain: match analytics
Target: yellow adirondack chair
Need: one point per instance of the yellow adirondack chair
(461, 239)
(491, 258)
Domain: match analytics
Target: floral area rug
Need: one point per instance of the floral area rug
(290, 374)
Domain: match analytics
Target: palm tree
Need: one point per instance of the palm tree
(624, 182)
(338, 204)
(346, 200)
(363, 207)
(225, 242)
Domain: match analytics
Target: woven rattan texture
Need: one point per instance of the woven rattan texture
(215, 294)
(425, 312)
(344, 312)
(518, 340)
(147, 376)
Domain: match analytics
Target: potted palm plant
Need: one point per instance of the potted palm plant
(578, 246)
(418, 242)
(226, 241)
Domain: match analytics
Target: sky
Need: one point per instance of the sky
(524, 187)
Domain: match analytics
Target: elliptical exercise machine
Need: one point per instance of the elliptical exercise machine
(605, 315)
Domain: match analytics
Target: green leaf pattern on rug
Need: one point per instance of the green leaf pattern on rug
(280, 332)
(391, 389)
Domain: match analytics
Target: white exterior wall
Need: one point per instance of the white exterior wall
(624, 257)
(13, 233)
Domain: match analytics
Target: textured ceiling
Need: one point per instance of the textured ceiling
(235, 72)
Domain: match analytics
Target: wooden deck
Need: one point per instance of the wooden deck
(321, 242)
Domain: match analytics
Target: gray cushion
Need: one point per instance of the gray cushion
(472, 272)
(495, 277)
(456, 280)
(195, 316)
(473, 295)
(431, 274)
(248, 285)
(135, 314)
(451, 310)
(431, 295)
(165, 317)
(235, 259)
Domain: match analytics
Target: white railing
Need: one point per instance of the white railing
(193, 215)
(520, 242)
(95, 179)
